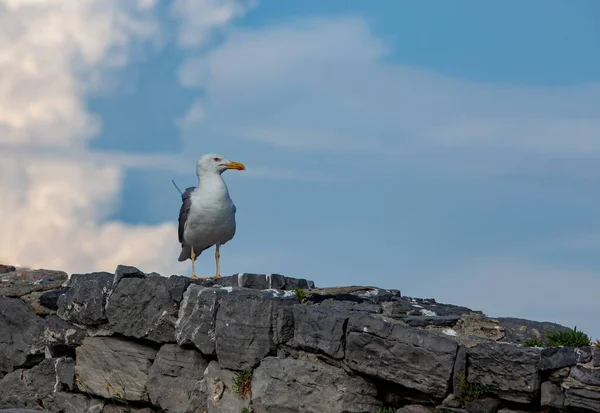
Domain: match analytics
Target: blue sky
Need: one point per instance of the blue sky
(446, 149)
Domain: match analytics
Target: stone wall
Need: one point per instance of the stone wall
(138, 342)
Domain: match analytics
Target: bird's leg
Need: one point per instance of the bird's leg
(217, 256)
(193, 257)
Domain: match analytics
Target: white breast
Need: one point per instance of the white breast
(211, 219)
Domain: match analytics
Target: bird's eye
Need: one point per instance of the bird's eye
(217, 159)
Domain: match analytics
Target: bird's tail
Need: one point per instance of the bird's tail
(185, 254)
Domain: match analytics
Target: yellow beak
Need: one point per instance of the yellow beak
(236, 165)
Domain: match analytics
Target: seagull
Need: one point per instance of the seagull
(207, 214)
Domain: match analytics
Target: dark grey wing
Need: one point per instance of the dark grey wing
(186, 204)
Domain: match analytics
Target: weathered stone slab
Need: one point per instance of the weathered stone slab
(221, 397)
(122, 364)
(21, 282)
(401, 307)
(126, 271)
(320, 330)
(414, 408)
(506, 370)
(558, 357)
(351, 306)
(357, 294)
(31, 388)
(264, 282)
(391, 351)
(116, 408)
(143, 308)
(174, 382)
(65, 374)
(552, 395)
(460, 369)
(308, 386)
(197, 318)
(77, 403)
(583, 398)
(596, 356)
(584, 375)
(245, 325)
(518, 330)
(21, 334)
(59, 333)
(423, 321)
(484, 405)
(7, 268)
(49, 299)
(84, 302)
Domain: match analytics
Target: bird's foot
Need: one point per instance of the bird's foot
(195, 277)
(216, 277)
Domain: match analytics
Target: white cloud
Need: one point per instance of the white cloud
(57, 195)
(329, 84)
(199, 18)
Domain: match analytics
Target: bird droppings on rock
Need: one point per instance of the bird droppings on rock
(174, 344)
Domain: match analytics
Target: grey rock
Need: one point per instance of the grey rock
(77, 403)
(21, 282)
(177, 285)
(6, 268)
(65, 373)
(17, 410)
(21, 335)
(245, 326)
(484, 405)
(518, 330)
(31, 388)
(143, 308)
(358, 294)
(174, 382)
(122, 364)
(414, 408)
(377, 347)
(59, 334)
(506, 370)
(84, 302)
(423, 321)
(596, 355)
(351, 306)
(552, 395)
(49, 299)
(451, 401)
(460, 368)
(115, 408)
(219, 387)
(587, 376)
(401, 307)
(264, 282)
(197, 318)
(583, 398)
(558, 357)
(319, 329)
(309, 386)
(126, 271)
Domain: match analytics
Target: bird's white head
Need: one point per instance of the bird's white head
(214, 163)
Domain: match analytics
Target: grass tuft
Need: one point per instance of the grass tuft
(300, 294)
(571, 338)
(242, 383)
(468, 391)
(534, 342)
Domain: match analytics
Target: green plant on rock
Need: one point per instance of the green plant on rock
(570, 338)
(386, 410)
(300, 294)
(468, 391)
(534, 342)
(242, 383)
